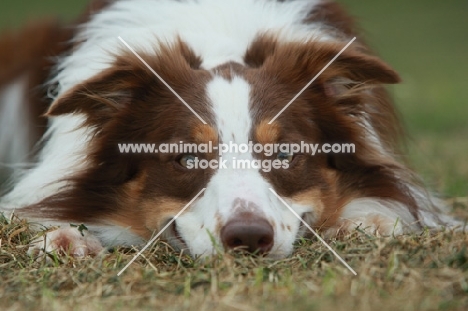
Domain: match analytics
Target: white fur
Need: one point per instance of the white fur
(230, 101)
(218, 31)
(397, 217)
(372, 138)
(14, 119)
(63, 155)
(115, 235)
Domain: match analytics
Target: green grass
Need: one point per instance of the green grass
(13, 13)
(427, 42)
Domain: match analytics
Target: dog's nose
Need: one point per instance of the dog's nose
(247, 232)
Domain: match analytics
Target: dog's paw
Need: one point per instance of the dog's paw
(374, 224)
(72, 241)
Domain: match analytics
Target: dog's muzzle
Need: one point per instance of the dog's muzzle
(248, 232)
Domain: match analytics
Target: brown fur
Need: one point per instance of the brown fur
(30, 53)
(129, 92)
(267, 133)
(127, 103)
(317, 117)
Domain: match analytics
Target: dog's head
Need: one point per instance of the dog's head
(241, 207)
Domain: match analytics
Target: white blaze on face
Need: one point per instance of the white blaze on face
(229, 186)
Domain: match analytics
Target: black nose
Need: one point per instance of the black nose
(248, 232)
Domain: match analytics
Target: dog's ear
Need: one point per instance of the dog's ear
(300, 62)
(263, 47)
(127, 80)
(105, 94)
(354, 64)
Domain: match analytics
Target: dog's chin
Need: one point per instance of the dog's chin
(310, 218)
(175, 240)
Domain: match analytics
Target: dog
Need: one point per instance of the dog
(213, 73)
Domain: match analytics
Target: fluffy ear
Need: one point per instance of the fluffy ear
(126, 81)
(263, 47)
(103, 95)
(358, 66)
(299, 62)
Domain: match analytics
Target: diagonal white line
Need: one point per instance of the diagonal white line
(159, 77)
(315, 233)
(313, 79)
(160, 232)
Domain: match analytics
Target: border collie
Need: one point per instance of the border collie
(204, 72)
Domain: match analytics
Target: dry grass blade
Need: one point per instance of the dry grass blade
(416, 272)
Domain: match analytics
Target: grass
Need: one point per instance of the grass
(428, 271)
(426, 41)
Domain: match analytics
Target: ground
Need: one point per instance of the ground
(427, 271)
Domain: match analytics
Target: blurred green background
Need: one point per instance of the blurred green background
(426, 41)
